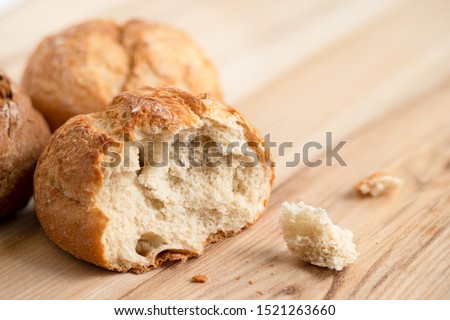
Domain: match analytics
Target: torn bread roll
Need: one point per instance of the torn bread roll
(377, 184)
(104, 193)
(23, 135)
(312, 236)
(80, 69)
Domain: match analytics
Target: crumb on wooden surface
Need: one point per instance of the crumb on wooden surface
(250, 282)
(199, 278)
(377, 184)
(237, 278)
(314, 238)
(260, 292)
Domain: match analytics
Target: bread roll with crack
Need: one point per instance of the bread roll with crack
(134, 217)
(80, 69)
(23, 135)
(312, 236)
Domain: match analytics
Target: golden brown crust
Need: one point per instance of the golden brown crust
(64, 193)
(69, 173)
(23, 134)
(147, 107)
(164, 56)
(69, 73)
(80, 69)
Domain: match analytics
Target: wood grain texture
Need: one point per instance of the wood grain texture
(375, 73)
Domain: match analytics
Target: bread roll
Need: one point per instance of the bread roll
(23, 134)
(80, 69)
(101, 195)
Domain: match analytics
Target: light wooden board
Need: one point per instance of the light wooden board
(375, 73)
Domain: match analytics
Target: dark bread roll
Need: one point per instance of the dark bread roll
(23, 135)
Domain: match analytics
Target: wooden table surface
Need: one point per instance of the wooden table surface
(374, 73)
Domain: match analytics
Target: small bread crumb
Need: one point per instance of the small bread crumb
(271, 265)
(260, 292)
(250, 282)
(237, 278)
(199, 278)
(378, 183)
(310, 234)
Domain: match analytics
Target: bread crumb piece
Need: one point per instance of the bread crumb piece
(378, 183)
(312, 236)
(271, 265)
(250, 282)
(272, 273)
(260, 292)
(199, 278)
(237, 278)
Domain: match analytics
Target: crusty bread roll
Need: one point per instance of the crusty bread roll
(23, 134)
(133, 214)
(80, 69)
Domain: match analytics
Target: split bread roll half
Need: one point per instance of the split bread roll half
(111, 187)
(23, 135)
(80, 69)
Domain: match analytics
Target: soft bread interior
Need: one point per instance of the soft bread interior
(153, 210)
(313, 237)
